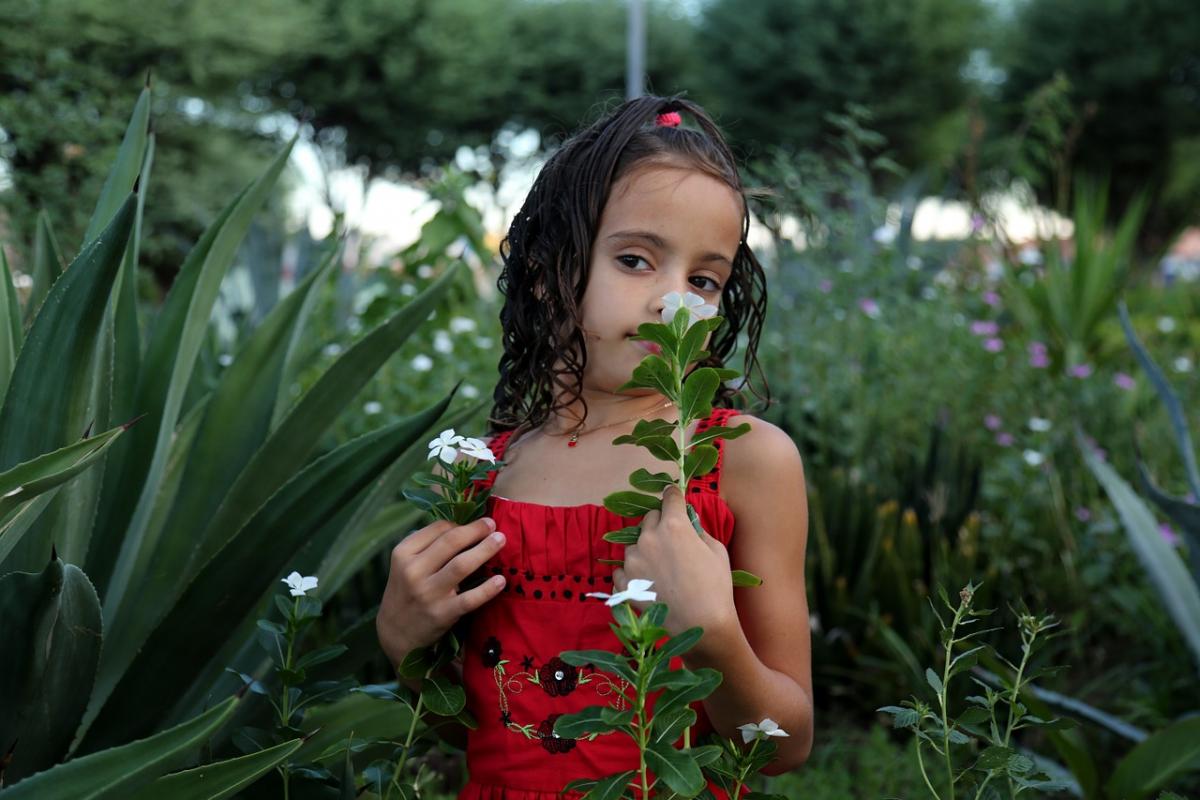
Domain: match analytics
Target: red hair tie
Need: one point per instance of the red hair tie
(671, 119)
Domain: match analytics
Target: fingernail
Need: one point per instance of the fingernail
(498, 580)
(491, 523)
(498, 537)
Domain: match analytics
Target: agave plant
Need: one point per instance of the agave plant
(133, 560)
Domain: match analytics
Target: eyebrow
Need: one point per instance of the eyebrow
(661, 243)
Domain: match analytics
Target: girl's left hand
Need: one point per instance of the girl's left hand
(691, 571)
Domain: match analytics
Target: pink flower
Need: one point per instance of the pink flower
(1171, 536)
(869, 307)
(1082, 513)
(1080, 371)
(1036, 347)
(991, 298)
(825, 286)
(976, 222)
(1038, 360)
(992, 422)
(984, 328)
(1004, 439)
(993, 345)
(1124, 381)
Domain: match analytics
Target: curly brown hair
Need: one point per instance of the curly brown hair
(547, 251)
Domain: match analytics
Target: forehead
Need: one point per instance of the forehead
(688, 207)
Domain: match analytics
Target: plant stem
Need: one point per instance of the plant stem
(1016, 691)
(285, 710)
(925, 775)
(412, 727)
(943, 697)
(741, 778)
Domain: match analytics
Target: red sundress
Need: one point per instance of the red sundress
(550, 561)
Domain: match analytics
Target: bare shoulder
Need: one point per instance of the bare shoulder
(762, 463)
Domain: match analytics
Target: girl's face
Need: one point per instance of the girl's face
(664, 228)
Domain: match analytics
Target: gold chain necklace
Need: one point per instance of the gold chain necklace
(575, 435)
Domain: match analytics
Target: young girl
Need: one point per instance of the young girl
(634, 207)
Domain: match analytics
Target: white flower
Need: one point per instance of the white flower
(1030, 255)
(445, 446)
(637, 590)
(1182, 364)
(442, 343)
(694, 303)
(760, 730)
(1039, 424)
(354, 325)
(1033, 458)
(469, 391)
(408, 290)
(461, 324)
(425, 271)
(332, 349)
(1166, 324)
(372, 407)
(422, 363)
(884, 235)
(224, 359)
(300, 585)
(477, 450)
(483, 342)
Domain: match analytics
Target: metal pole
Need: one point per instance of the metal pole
(635, 57)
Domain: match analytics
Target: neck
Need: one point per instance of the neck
(604, 408)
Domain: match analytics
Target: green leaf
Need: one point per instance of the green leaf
(722, 432)
(933, 680)
(1168, 575)
(699, 461)
(47, 264)
(653, 373)
(122, 176)
(627, 535)
(327, 726)
(611, 787)
(742, 578)
(675, 768)
(698, 391)
(707, 680)
(692, 343)
(681, 643)
(52, 398)
(11, 332)
(653, 482)
(24, 482)
(51, 640)
(119, 771)
(613, 663)
(668, 728)
(233, 582)
(220, 779)
(631, 504)
(590, 720)
(660, 334)
(1156, 761)
(441, 697)
(901, 717)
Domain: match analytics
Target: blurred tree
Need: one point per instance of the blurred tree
(70, 75)
(402, 84)
(1133, 72)
(774, 68)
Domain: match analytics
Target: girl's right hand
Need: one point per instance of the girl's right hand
(421, 601)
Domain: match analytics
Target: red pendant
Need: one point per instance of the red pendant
(574, 438)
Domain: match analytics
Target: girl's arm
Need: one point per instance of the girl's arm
(765, 654)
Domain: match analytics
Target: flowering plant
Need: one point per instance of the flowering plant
(464, 460)
(645, 667)
(687, 321)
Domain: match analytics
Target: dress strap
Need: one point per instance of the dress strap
(711, 482)
(497, 444)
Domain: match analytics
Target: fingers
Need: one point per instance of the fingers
(472, 599)
(417, 541)
(451, 542)
(618, 577)
(467, 562)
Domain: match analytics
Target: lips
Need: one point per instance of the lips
(651, 347)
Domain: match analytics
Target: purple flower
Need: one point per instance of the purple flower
(1004, 439)
(976, 222)
(1171, 536)
(1124, 381)
(1080, 370)
(991, 298)
(982, 327)
(1036, 347)
(869, 307)
(992, 422)
(993, 345)
(825, 286)
(1038, 360)
(1083, 513)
